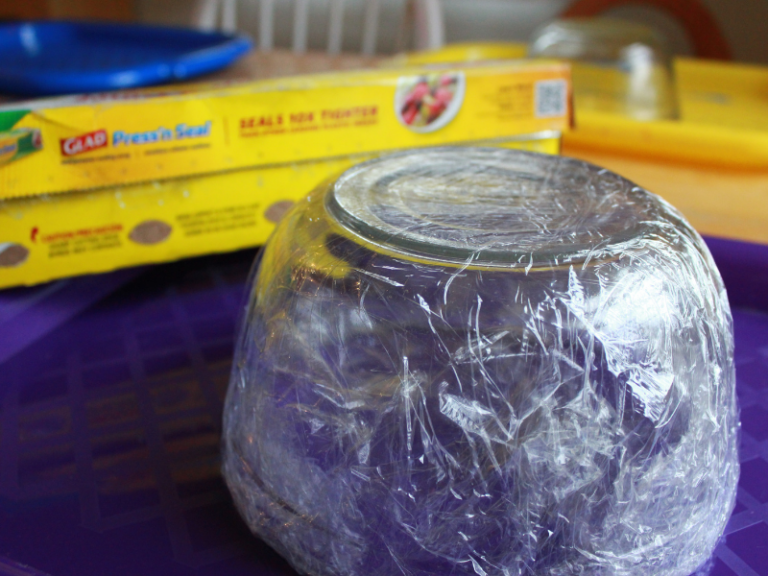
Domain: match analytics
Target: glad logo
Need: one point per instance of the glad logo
(83, 143)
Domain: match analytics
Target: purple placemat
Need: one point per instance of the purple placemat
(109, 432)
(28, 314)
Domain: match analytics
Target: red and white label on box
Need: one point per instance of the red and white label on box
(83, 143)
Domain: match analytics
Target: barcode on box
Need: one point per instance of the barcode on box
(551, 98)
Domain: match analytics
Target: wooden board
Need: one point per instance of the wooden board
(116, 10)
(258, 65)
(718, 202)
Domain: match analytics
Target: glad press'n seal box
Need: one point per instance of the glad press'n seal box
(94, 183)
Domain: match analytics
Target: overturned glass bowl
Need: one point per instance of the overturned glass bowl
(618, 66)
(476, 361)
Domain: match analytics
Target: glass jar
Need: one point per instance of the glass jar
(484, 361)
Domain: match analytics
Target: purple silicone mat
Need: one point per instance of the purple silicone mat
(109, 431)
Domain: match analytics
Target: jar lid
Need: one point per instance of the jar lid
(489, 206)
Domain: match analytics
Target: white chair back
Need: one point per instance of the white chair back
(424, 18)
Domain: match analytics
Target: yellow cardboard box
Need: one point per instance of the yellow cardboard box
(138, 136)
(237, 172)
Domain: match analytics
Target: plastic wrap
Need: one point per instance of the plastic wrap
(488, 362)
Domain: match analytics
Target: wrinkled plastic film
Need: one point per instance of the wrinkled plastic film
(481, 361)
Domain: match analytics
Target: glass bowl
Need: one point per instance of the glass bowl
(479, 361)
(618, 66)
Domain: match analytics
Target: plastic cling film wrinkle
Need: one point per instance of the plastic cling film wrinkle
(481, 361)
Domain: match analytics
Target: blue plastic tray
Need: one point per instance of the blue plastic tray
(46, 58)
